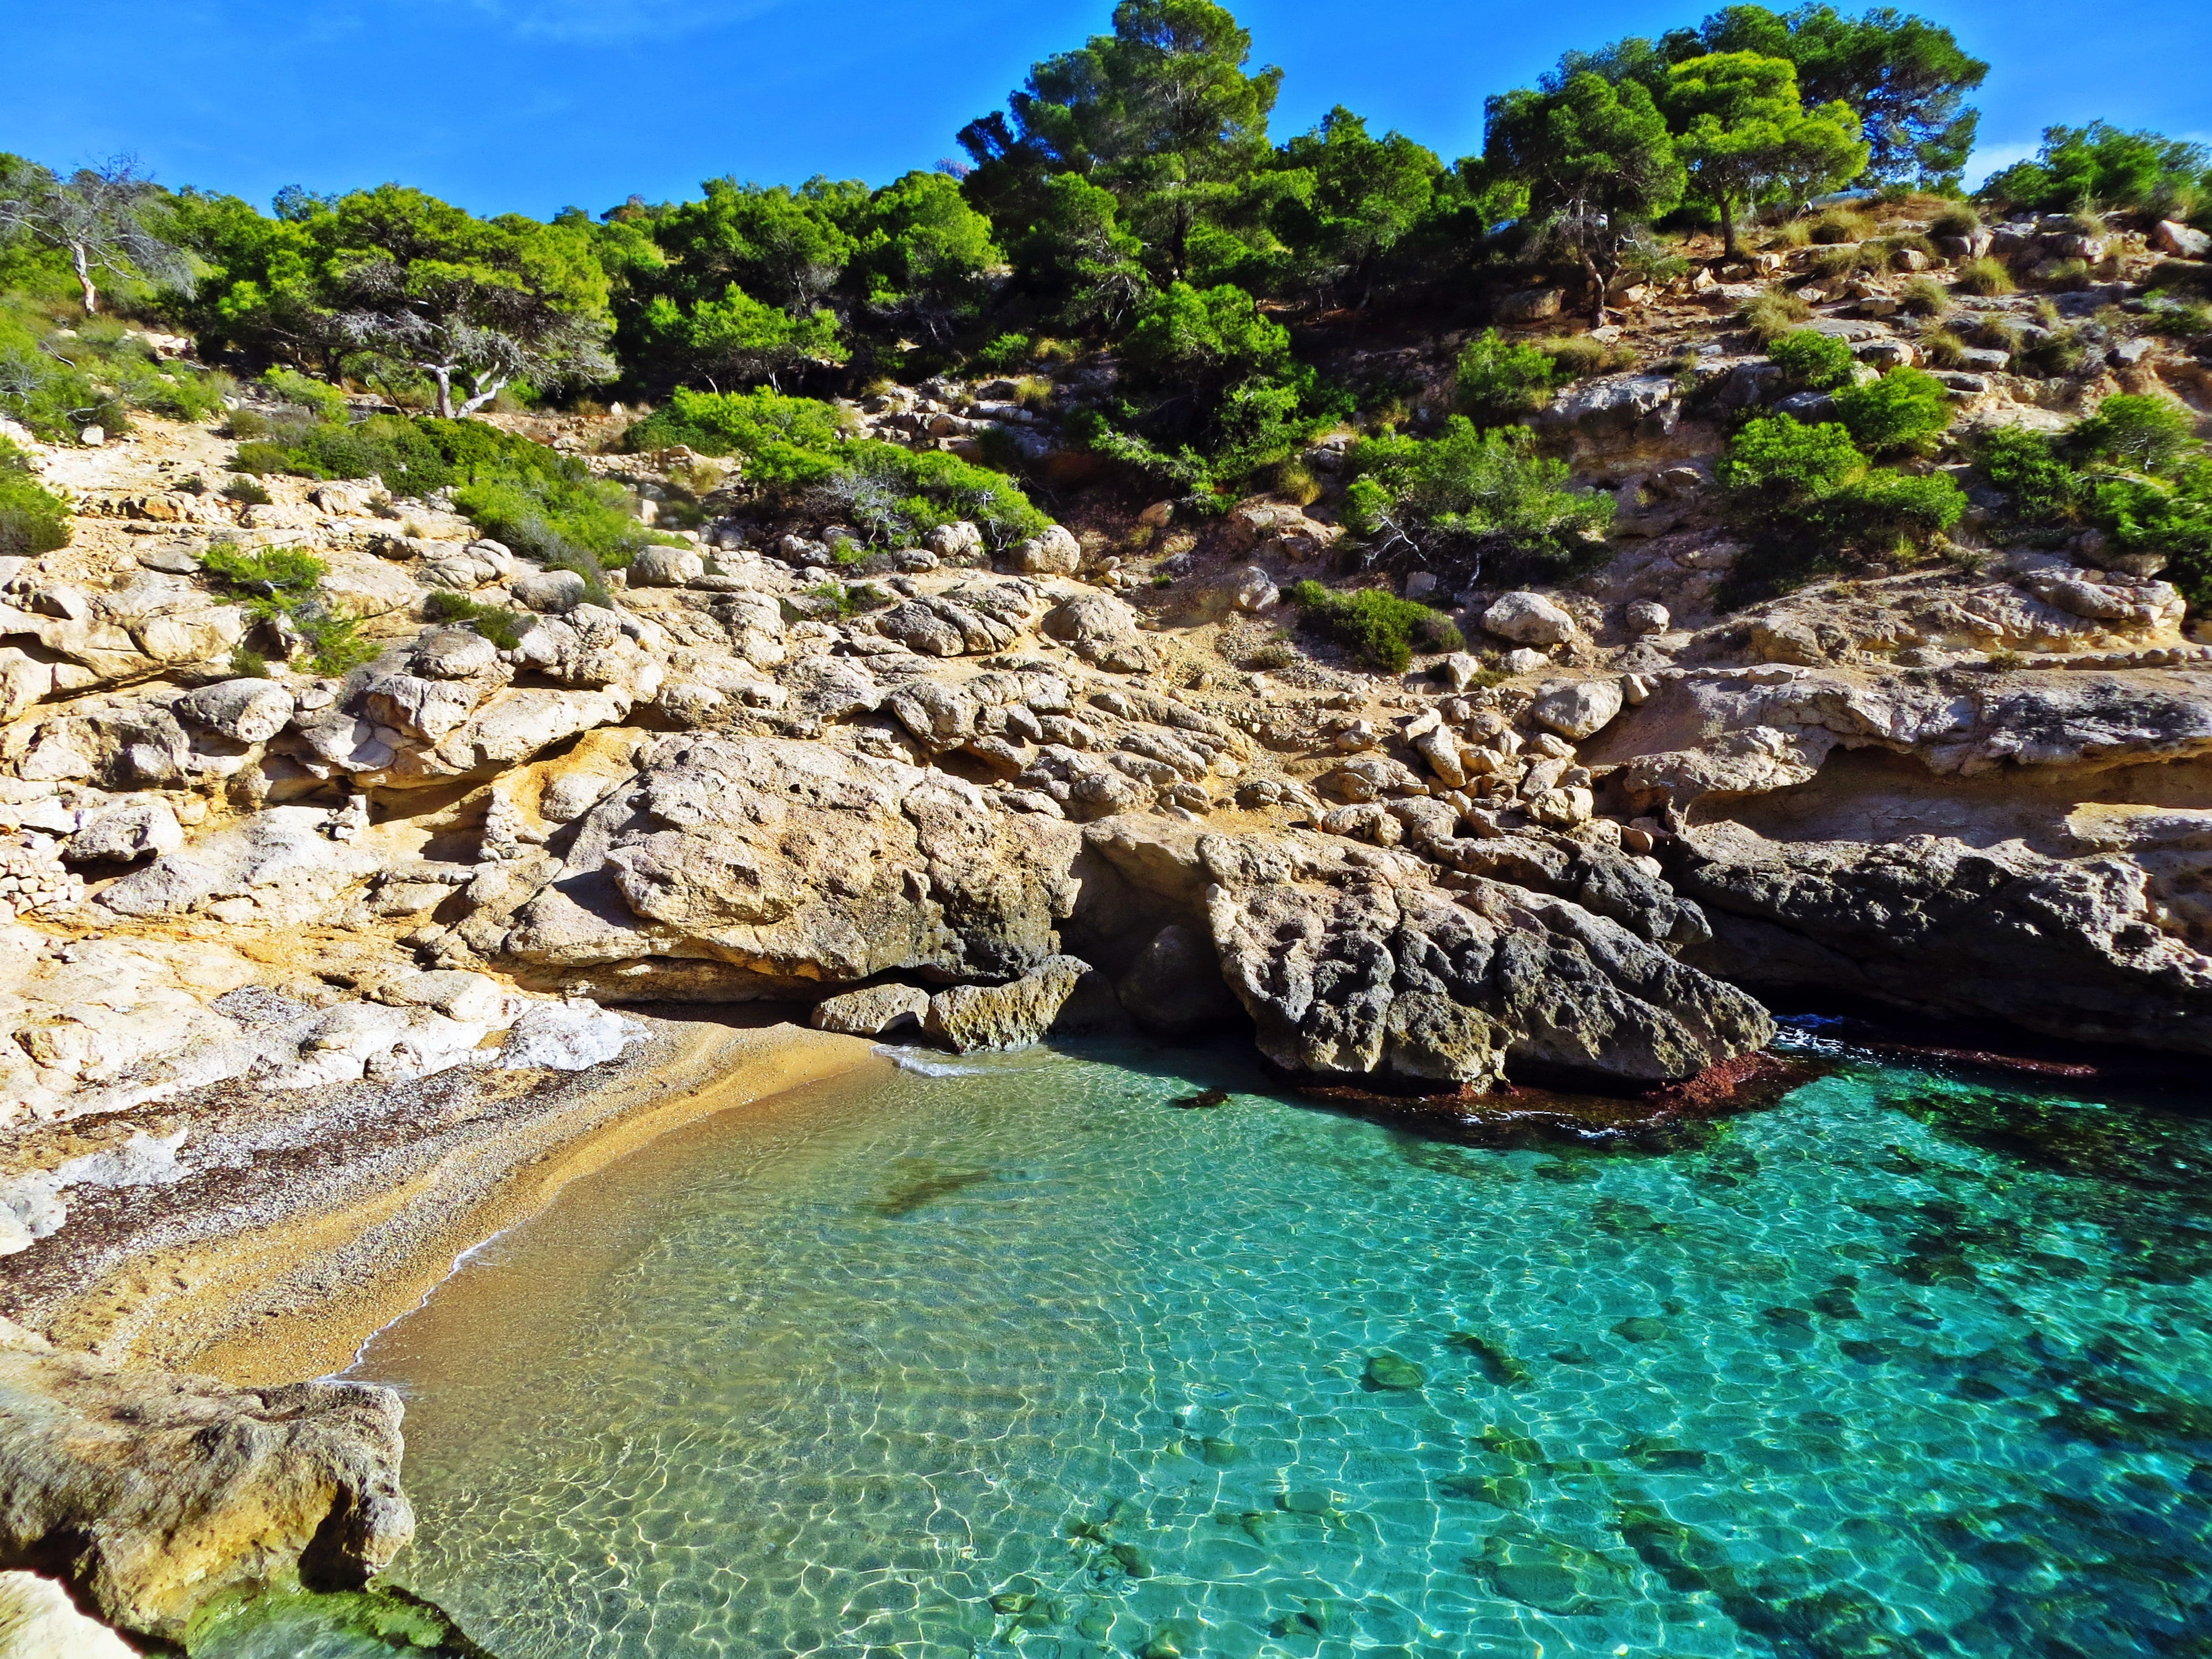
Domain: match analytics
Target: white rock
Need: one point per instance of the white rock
(244, 710)
(1648, 617)
(1529, 619)
(1579, 709)
(1054, 553)
(667, 567)
(1255, 590)
(124, 830)
(567, 1036)
(1526, 660)
(550, 592)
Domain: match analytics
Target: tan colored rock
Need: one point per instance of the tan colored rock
(870, 1012)
(971, 1018)
(153, 1493)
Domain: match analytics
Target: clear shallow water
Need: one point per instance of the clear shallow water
(1026, 1361)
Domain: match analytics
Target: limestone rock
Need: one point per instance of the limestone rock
(1366, 971)
(1529, 619)
(2183, 241)
(1175, 985)
(549, 591)
(1528, 305)
(38, 1620)
(566, 1037)
(1615, 405)
(1648, 617)
(1054, 552)
(1102, 630)
(667, 567)
(1578, 708)
(124, 831)
(153, 1493)
(281, 859)
(243, 710)
(970, 1018)
(870, 1012)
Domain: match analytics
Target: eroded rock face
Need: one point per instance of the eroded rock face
(1361, 968)
(151, 1494)
(2070, 947)
(804, 866)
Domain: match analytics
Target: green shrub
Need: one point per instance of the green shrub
(1500, 381)
(2146, 433)
(1468, 486)
(282, 582)
(1774, 314)
(1983, 277)
(1381, 628)
(324, 401)
(1903, 413)
(2057, 351)
(32, 518)
(2176, 318)
(1003, 354)
(787, 443)
(2028, 467)
(502, 627)
(1806, 499)
(1942, 348)
(1813, 361)
(247, 491)
(1957, 220)
(1577, 356)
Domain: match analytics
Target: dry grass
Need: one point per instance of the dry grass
(1774, 314)
(1923, 296)
(1983, 277)
(1942, 348)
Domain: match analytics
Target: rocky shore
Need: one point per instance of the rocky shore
(309, 981)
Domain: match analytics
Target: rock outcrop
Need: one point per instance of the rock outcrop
(152, 1493)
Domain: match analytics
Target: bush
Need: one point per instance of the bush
(1923, 296)
(282, 582)
(785, 443)
(1382, 628)
(1813, 361)
(502, 627)
(1983, 277)
(325, 402)
(2145, 434)
(2028, 467)
(2057, 351)
(1774, 314)
(32, 519)
(1806, 498)
(1957, 220)
(1500, 381)
(1840, 225)
(1902, 413)
(1469, 486)
(247, 491)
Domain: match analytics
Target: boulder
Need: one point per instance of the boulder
(1529, 619)
(1364, 971)
(971, 1018)
(1174, 987)
(123, 832)
(870, 1012)
(153, 1494)
(667, 567)
(1102, 631)
(1579, 708)
(1528, 305)
(550, 593)
(959, 542)
(566, 1037)
(1648, 617)
(1253, 590)
(243, 710)
(1648, 405)
(2183, 241)
(1052, 552)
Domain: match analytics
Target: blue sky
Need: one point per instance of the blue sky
(530, 104)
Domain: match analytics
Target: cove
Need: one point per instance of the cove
(1027, 1357)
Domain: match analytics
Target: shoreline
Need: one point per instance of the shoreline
(300, 1268)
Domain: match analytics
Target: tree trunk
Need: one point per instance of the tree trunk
(1727, 227)
(444, 376)
(1597, 290)
(81, 264)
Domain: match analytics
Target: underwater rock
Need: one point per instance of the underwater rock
(1394, 1372)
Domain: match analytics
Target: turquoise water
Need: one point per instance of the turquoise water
(1024, 1360)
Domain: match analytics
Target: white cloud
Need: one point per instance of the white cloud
(587, 21)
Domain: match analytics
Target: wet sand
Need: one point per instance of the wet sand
(281, 1267)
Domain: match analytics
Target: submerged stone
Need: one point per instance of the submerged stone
(1211, 1097)
(1496, 1363)
(1640, 1328)
(1394, 1372)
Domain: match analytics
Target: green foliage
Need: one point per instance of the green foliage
(1985, 276)
(247, 490)
(32, 519)
(1903, 413)
(1472, 486)
(324, 402)
(1748, 137)
(502, 627)
(785, 443)
(281, 583)
(1201, 342)
(736, 337)
(2101, 166)
(61, 371)
(394, 285)
(1500, 381)
(247, 664)
(1806, 498)
(1366, 196)
(1382, 628)
(2148, 434)
(1077, 259)
(1595, 160)
(1923, 296)
(2027, 466)
(1813, 361)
